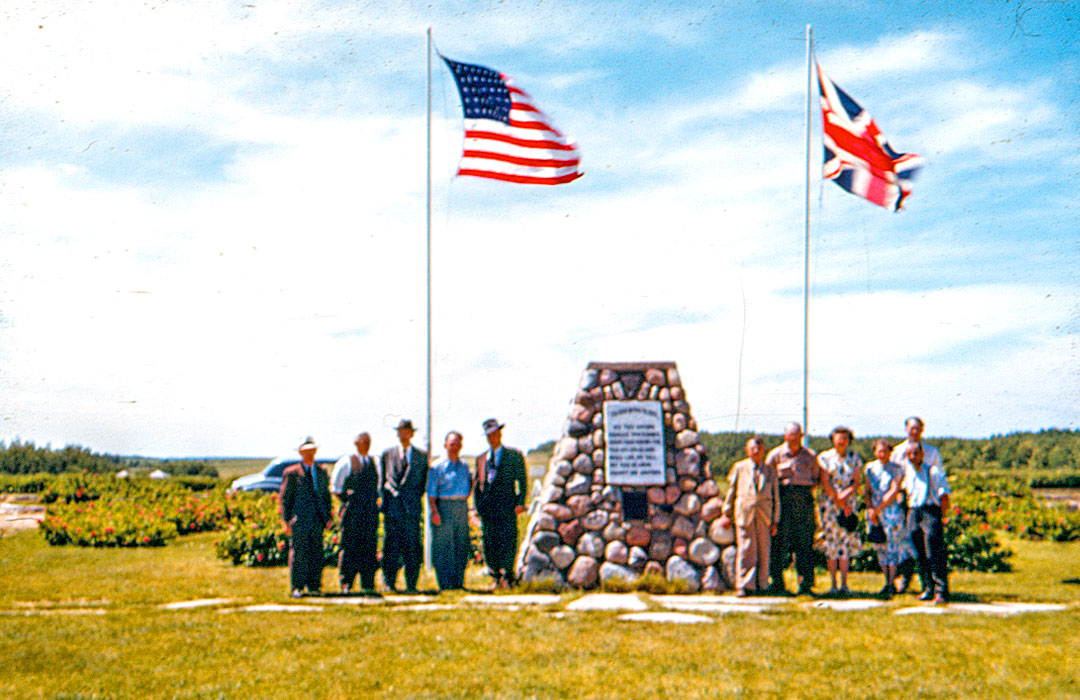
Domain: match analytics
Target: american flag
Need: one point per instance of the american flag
(857, 156)
(506, 136)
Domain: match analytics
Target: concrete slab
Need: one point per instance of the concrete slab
(529, 599)
(719, 605)
(398, 598)
(983, 609)
(200, 603)
(427, 607)
(608, 601)
(845, 605)
(274, 607)
(668, 617)
(716, 599)
(55, 611)
(352, 600)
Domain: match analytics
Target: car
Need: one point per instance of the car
(269, 479)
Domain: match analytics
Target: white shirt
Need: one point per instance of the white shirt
(931, 456)
(925, 485)
(343, 470)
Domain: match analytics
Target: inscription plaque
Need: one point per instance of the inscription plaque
(634, 431)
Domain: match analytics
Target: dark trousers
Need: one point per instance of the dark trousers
(402, 545)
(500, 544)
(359, 540)
(306, 559)
(928, 538)
(450, 543)
(795, 534)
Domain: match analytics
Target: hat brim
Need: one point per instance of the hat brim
(489, 431)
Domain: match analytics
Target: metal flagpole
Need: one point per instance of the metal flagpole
(806, 257)
(427, 516)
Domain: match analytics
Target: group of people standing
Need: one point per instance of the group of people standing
(395, 486)
(770, 502)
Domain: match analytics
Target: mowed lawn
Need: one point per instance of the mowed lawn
(135, 649)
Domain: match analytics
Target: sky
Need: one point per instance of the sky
(213, 223)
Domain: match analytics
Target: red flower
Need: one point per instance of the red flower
(146, 539)
(259, 556)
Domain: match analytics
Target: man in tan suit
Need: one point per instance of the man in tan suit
(753, 503)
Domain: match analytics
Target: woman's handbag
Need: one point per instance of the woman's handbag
(848, 521)
(876, 534)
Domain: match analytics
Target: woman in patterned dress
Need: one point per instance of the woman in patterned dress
(883, 481)
(845, 472)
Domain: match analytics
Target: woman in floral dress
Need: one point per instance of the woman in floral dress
(845, 472)
(883, 481)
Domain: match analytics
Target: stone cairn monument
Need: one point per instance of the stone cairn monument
(628, 490)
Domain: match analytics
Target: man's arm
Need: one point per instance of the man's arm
(521, 478)
(729, 499)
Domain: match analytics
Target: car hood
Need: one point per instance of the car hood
(249, 479)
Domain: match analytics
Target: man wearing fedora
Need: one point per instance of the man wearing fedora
(499, 495)
(404, 482)
(304, 503)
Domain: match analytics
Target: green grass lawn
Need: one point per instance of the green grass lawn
(137, 650)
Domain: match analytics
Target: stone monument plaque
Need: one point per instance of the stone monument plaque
(635, 443)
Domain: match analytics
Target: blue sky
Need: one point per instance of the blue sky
(212, 216)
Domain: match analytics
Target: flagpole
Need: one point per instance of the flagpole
(806, 257)
(427, 516)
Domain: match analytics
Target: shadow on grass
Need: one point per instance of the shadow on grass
(1071, 581)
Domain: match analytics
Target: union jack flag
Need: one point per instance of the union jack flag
(506, 137)
(857, 156)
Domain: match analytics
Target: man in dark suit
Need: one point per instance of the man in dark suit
(355, 482)
(304, 503)
(404, 482)
(499, 495)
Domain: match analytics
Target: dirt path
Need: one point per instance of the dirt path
(19, 512)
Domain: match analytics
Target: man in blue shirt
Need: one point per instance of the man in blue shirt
(448, 487)
(928, 492)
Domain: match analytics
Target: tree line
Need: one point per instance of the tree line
(27, 458)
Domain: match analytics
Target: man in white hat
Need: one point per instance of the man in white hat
(499, 495)
(304, 503)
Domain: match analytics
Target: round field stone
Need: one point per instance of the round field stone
(677, 393)
(607, 376)
(562, 556)
(638, 537)
(591, 545)
(546, 540)
(614, 531)
(686, 438)
(580, 413)
(661, 521)
(682, 527)
(583, 572)
(571, 531)
(660, 546)
(721, 535)
(596, 520)
(579, 505)
(612, 493)
(578, 484)
(656, 376)
(707, 489)
(688, 504)
(678, 547)
(672, 494)
(616, 552)
(556, 479)
(564, 468)
(610, 570)
(546, 521)
(655, 495)
(598, 438)
(566, 449)
(712, 509)
(589, 379)
(583, 464)
(585, 445)
(703, 552)
(577, 429)
(618, 390)
(687, 462)
(598, 476)
(536, 559)
(637, 557)
(688, 484)
(678, 422)
(598, 457)
(728, 568)
(559, 512)
(551, 493)
(653, 568)
(711, 580)
(673, 377)
(678, 569)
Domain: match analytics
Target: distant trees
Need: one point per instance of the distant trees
(27, 458)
